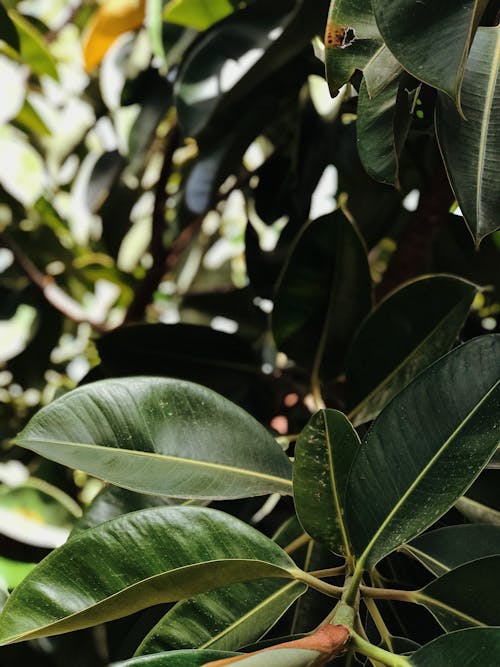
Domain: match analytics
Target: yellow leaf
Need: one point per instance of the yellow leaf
(112, 19)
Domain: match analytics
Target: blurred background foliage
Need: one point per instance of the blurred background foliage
(157, 162)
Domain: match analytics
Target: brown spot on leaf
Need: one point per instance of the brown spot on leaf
(339, 37)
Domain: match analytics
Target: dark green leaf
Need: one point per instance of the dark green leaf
(8, 32)
(475, 647)
(409, 330)
(323, 456)
(445, 420)
(224, 619)
(160, 436)
(135, 561)
(430, 39)
(381, 70)
(471, 146)
(382, 127)
(446, 548)
(323, 294)
(352, 41)
(465, 596)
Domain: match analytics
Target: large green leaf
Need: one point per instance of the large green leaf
(471, 146)
(352, 40)
(323, 456)
(323, 294)
(236, 55)
(175, 659)
(430, 39)
(224, 619)
(160, 436)
(135, 561)
(409, 330)
(382, 127)
(465, 596)
(425, 449)
(474, 647)
(443, 549)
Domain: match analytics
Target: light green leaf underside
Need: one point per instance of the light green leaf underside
(409, 330)
(175, 659)
(148, 557)
(223, 619)
(400, 482)
(466, 596)
(443, 549)
(471, 146)
(323, 456)
(160, 436)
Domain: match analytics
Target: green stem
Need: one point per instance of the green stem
(317, 584)
(329, 572)
(299, 542)
(385, 657)
(379, 623)
(388, 594)
(354, 583)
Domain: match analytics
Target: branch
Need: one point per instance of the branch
(53, 294)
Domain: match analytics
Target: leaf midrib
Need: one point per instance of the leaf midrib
(423, 473)
(162, 457)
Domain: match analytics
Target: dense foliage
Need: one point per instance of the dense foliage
(249, 382)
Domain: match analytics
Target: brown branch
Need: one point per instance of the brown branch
(415, 245)
(159, 252)
(53, 294)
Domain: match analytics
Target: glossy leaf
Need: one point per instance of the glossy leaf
(443, 549)
(407, 331)
(135, 561)
(34, 50)
(224, 619)
(466, 596)
(475, 180)
(352, 40)
(160, 436)
(380, 71)
(323, 456)
(400, 481)
(175, 659)
(8, 32)
(195, 14)
(382, 127)
(431, 40)
(475, 647)
(323, 294)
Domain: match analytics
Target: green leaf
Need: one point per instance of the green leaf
(8, 32)
(465, 596)
(197, 14)
(471, 146)
(443, 549)
(34, 50)
(381, 70)
(29, 118)
(382, 127)
(224, 619)
(445, 420)
(430, 39)
(323, 456)
(175, 659)
(407, 331)
(160, 436)
(135, 561)
(474, 647)
(322, 295)
(154, 24)
(352, 41)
